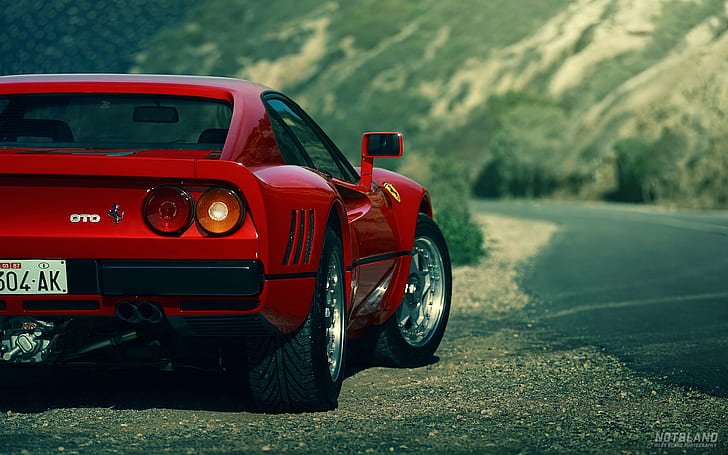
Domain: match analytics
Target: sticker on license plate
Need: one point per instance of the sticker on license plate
(33, 276)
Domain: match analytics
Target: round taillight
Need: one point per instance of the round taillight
(219, 211)
(168, 210)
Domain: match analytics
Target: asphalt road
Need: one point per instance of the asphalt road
(649, 286)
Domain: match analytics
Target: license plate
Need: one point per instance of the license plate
(33, 276)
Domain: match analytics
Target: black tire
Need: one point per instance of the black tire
(291, 373)
(392, 346)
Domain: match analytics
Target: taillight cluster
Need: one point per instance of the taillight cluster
(169, 210)
(219, 211)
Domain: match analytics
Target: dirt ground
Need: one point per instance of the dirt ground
(502, 383)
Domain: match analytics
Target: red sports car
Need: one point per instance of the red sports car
(179, 220)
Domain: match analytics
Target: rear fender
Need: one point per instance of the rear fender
(298, 205)
(293, 197)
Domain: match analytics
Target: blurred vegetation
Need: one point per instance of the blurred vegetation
(525, 148)
(670, 168)
(644, 168)
(450, 191)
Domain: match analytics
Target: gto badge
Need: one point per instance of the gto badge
(116, 213)
(84, 218)
(392, 190)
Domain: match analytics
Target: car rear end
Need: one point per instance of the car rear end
(150, 246)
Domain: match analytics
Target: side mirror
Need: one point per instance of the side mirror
(382, 145)
(378, 145)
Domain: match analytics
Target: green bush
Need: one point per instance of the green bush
(511, 175)
(464, 237)
(634, 173)
(644, 168)
(449, 190)
(524, 148)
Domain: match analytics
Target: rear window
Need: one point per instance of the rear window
(113, 121)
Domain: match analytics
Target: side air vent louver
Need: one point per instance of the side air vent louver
(300, 237)
(309, 239)
(291, 237)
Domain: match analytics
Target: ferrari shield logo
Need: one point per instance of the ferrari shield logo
(392, 191)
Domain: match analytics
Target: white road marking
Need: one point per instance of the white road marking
(637, 302)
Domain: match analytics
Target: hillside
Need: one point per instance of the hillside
(369, 64)
(621, 98)
(56, 36)
(589, 98)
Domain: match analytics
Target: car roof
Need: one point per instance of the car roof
(74, 82)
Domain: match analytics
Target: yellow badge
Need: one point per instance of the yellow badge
(393, 191)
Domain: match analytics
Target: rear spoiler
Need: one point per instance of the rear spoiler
(101, 166)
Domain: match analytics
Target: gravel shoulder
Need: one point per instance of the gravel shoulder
(503, 383)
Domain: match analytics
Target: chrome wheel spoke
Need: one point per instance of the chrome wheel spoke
(403, 318)
(408, 318)
(421, 319)
(426, 292)
(415, 266)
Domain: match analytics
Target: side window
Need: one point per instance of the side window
(290, 150)
(315, 148)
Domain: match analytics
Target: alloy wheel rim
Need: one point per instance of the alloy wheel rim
(422, 308)
(334, 316)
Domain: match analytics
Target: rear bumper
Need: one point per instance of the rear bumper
(199, 298)
(165, 278)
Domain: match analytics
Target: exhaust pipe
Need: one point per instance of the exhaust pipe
(114, 341)
(127, 312)
(150, 312)
(137, 312)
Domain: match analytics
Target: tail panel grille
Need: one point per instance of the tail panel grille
(226, 326)
(60, 305)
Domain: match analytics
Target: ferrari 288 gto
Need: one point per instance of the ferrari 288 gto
(179, 220)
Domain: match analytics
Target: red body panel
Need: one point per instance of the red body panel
(288, 209)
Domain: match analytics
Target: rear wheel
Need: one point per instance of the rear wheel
(303, 371)
(413, 333)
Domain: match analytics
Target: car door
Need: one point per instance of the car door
(369, 213)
